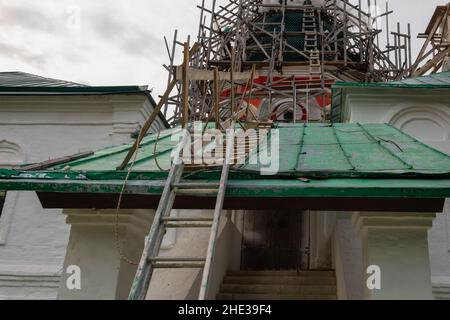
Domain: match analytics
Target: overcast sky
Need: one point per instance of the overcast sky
(117, 42)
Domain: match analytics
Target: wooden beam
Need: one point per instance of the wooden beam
(252, 79)
(216, 97)
(185, 90)
(208, 75)
(147, 125)
(430, 64)
(233, 56)
(54, 162)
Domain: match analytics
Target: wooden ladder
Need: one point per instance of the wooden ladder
(174, 186)
(310, 30)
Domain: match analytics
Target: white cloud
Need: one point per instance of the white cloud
(119, 42)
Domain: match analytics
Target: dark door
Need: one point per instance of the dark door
(275, 240)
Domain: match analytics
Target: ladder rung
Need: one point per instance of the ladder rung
(177, 219)
(176, 259)
(190, 186)
(178, 265)
(197, 192)
(188, 224)
(177, 262)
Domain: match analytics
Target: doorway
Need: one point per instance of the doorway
(275, 240)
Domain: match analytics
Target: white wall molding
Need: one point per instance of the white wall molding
(441, 288)
(405, 112)
(29, 282)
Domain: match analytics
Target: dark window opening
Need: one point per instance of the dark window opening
(2, 201)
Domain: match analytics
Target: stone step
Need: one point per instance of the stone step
(244, 297)
(280, 280)
(293, 273)
(278, 289)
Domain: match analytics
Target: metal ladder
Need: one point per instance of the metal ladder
(162, 221)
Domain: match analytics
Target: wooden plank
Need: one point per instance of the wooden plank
(430, 64)
(208, 75)
(54, 162)
(233, 89)
(216, 97)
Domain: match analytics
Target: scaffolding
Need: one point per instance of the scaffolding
(435, 51)
(278, 59)
(255, 62)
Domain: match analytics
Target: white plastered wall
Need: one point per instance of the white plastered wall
(425, 115)
(33, 241)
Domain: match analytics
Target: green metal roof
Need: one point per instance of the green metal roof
(339, 160)
(72, 90)
(21, 83)
(434, 81)
(314, 150)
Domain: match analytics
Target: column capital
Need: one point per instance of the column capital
(138, 220)
(392, 220)
(94, 248)
(396, 243)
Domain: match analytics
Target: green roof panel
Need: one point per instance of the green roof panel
(439, 80)
(361, 153)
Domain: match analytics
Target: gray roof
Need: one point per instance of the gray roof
(22, 79)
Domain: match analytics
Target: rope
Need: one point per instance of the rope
(119, 202)
(154, 152)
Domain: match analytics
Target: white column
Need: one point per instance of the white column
(92, 247)
(321, 228)
(398, 244)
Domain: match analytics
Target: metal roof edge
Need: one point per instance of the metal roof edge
(386, 85)
(99, 90)
(354, 188)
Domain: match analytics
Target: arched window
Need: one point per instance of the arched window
(428, 123)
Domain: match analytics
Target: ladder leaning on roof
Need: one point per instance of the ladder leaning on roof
(162, 221)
